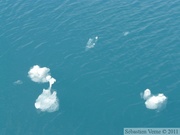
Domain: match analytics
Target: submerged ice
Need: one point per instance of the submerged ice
(91, 42)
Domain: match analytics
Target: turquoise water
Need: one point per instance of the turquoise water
(99, 88)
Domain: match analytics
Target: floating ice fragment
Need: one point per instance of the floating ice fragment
(147, 94)
(38, 74)
(157, 102)
(47, 100)
(91, 42)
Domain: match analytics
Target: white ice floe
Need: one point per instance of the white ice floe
(38, 74)
(47, 100)
(157, 102)
(147, 94)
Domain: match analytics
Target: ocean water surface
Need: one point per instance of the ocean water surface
(99, 87)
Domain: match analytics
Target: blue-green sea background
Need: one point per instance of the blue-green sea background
(98, 89)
